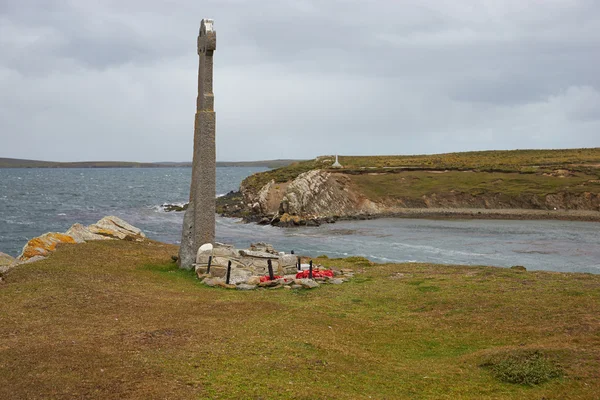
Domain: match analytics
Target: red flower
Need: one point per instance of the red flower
(316, 273)
(266, 278)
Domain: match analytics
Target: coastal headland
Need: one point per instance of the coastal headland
(118, 319)
(517, 184)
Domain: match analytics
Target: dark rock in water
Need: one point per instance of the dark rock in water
(264, 221)
(174, 207)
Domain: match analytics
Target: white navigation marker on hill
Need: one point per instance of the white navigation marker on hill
(336, 164)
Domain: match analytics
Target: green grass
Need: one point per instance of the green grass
(523, 168)
(523, 367)
(496, 160)
(119, 320)
(415, 184)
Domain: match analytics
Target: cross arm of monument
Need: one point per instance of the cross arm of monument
(207, 39)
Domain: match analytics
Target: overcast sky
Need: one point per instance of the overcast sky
(117, 79)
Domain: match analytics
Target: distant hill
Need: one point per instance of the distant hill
(20, 163)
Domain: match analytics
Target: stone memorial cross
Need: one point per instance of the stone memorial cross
(199, 219)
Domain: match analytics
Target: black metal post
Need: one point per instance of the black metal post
(270, 265)
(299, 264)
(228, 272)
(209, 262)
(310, 270)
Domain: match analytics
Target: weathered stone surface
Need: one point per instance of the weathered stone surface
(224, 261)
(6, 260)
(203, 185)
(212, 282)
(288, 270)
(244, 286)
(269, 283)
(239, 275)
(225, 251)
(220, 272)
(259, 254)
(288, 259)
(336, 281)
(115, 227)
(44, 245)
(307, 283)
(82, 234)
(253, 280)
(225, 285)
(187, 253)
(264, 247)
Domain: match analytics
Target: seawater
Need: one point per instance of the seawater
(35, 201)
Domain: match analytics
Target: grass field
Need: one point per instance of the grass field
(409, 184)
(523, 162)
(117, 320)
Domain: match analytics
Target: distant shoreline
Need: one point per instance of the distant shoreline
(19, 163)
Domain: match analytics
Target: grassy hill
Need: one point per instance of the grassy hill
(118, 320)
(535, 162)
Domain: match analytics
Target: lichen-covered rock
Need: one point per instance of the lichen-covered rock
(116, 228)
(44, 245)
(82, 234)
(107, 228)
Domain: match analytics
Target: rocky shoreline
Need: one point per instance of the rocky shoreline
(232, 205)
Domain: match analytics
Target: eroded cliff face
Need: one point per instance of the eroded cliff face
(312, 196)
(321, 195)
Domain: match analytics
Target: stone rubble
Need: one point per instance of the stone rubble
(248, 266)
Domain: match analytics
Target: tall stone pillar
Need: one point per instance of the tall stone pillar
(199, 218)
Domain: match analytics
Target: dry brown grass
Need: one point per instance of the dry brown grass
(115, 320)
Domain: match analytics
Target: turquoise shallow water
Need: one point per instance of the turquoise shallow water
(35, 201)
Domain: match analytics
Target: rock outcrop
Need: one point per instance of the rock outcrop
(6, 263)
(323, 195)
(310, 198)
(5, 259)
(44, 245)
(107, 228)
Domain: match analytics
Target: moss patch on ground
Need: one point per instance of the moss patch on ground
(118, 320)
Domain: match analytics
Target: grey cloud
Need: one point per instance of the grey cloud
(298, 78)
